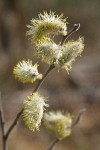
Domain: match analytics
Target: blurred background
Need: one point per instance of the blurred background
(80, 89)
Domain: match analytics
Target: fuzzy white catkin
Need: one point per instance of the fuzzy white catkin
(70, 51)
(24, 71)
(47, 50)
(47, 23)
(33, 109)
(58, 122)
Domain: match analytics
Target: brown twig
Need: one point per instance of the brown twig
(2, 122)
(13, 124)
(74, 29)
(45, 75)
(78, 118)
(53, 144)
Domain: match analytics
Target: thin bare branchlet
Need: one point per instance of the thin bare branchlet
(44, 77)
(74, 29)
(53, 144)
(13, 124)
(78, 118)
(2, 123)
(2, 120)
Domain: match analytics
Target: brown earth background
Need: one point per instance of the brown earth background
(80, 89)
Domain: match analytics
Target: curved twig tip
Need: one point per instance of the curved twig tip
(78, 117)
(83, 110)
(76, 26)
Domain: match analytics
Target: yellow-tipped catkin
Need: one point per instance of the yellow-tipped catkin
(70, 51)
(58, 122)
(47, 50)
(47, 24)
(33, 109)
(25, 72)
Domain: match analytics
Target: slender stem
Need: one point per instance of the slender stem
(3, 131)
(74, 29)
(45, 75)
(13, 124)
(79, 116)
(53, 144)
(2, 122)
(4, 144)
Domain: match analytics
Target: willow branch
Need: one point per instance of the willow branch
(78, 118)
(45, 75)
(19, 113)
(2, 122)
(53, 144)
(13, 124)
(74, 29)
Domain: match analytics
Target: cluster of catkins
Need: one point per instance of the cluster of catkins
(42, 32)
